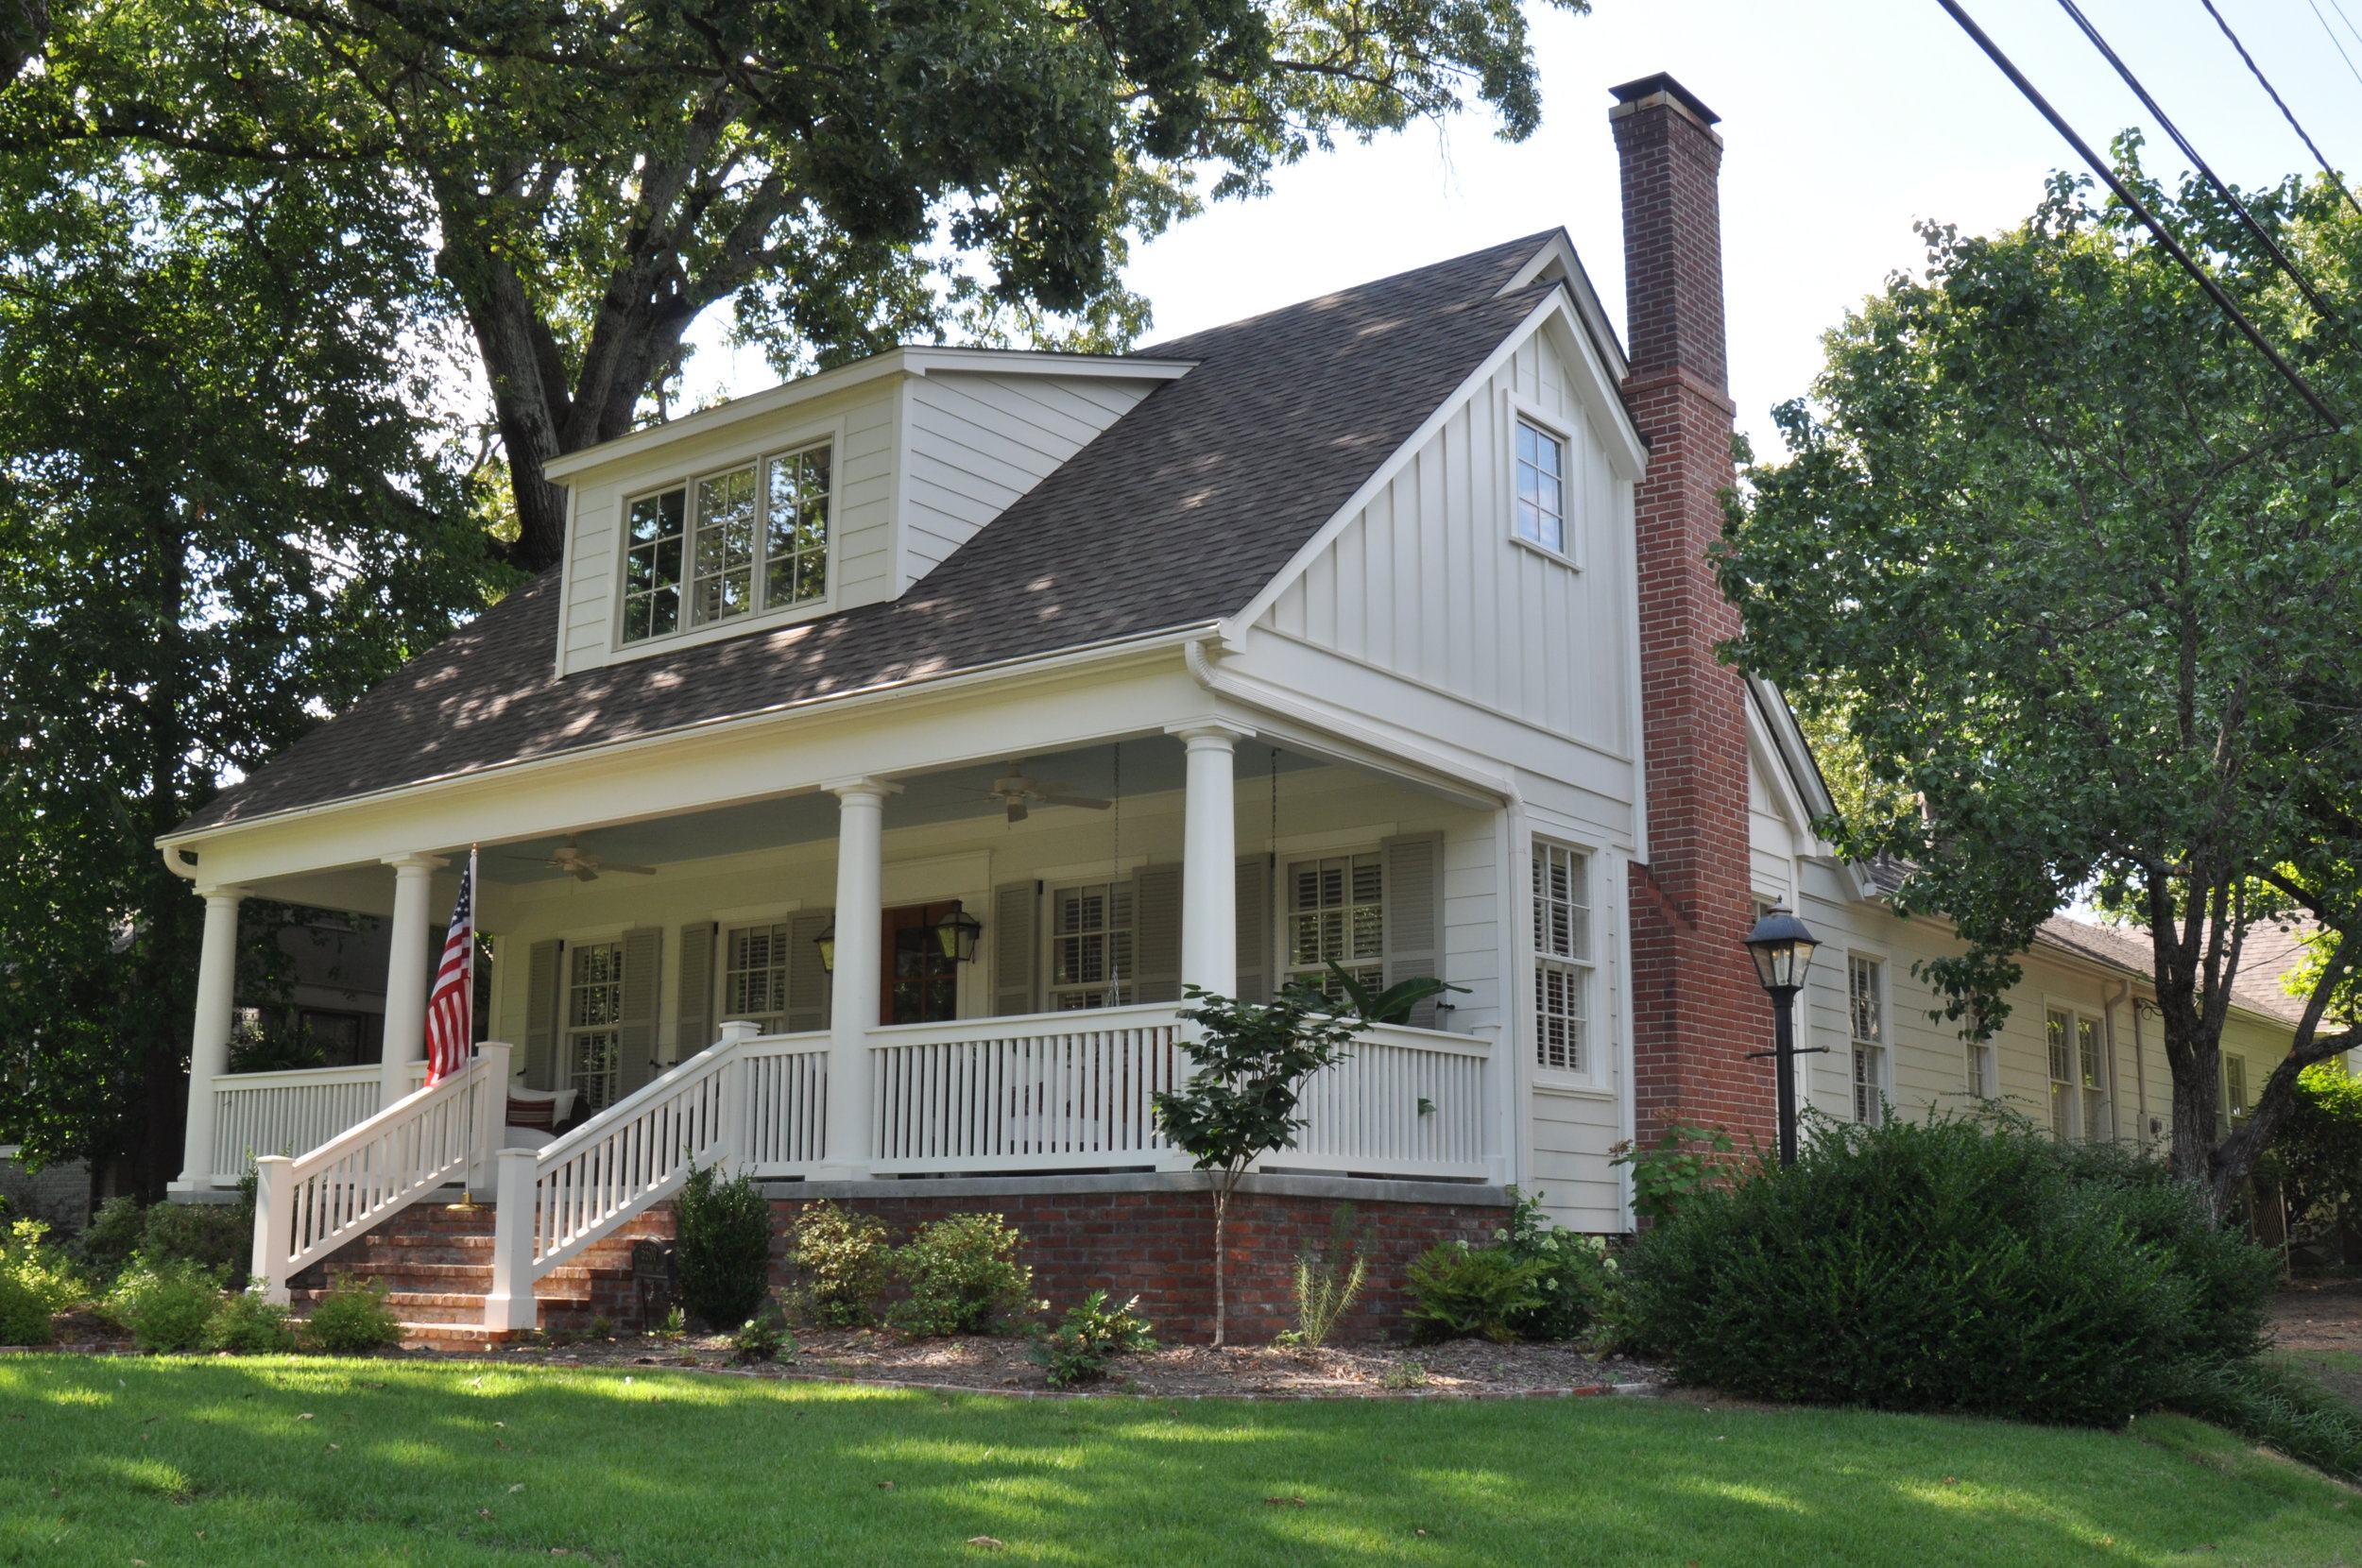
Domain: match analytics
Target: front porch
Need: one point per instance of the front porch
(888, 980)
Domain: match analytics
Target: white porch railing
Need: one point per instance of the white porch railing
(287, 1113)
(306, 1207)
(1007, 1094)
(1404, 1103)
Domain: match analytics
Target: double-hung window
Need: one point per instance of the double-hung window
(746, 539)
(2079, 1096)
(754, 976)
(594, 1012)
(1541, 487)
(2233, 1092)
(1865, 980)
(1337, 913)
(1981, 1068)
(1561, 958)
(1090, 947)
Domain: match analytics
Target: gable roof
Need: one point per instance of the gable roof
(1172, 516)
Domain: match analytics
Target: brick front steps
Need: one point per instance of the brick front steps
(436, 1263)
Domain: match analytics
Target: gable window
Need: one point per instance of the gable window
(1561, 958)
(1337, 911)
(1090, 947)
(728, 544)
(1865, 980)
(1541, 487)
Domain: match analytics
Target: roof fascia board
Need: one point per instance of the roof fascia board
(1787, 799)
(1599, 389)
(1801, 770)
(1560, 247)
(906, 361)
(1554, 304)
(1007, 671)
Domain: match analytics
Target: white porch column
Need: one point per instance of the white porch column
(853, 986)
(406, 980)
(208, 1043)
(1209, 852)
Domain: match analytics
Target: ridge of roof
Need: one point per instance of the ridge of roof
(1175, 515)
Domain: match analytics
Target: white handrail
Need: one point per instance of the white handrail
(287, 1110)
(308, 1206)
(556, 1201)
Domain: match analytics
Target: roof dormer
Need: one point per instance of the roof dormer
(824, 493)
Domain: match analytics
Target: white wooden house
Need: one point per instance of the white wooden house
(1322, 636)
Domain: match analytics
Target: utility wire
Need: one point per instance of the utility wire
(2285, 113)
(2347, 20)
(2334, 41)
(2139, 208)
(2263, 236)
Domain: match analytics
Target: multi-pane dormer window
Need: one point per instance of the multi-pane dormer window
(728, 544)
(1541, 487)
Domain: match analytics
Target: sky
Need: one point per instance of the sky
(1845, 122)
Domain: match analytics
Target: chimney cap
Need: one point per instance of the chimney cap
(1632, 91)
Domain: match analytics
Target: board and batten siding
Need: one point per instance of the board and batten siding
(1428, 583)
(976, 442)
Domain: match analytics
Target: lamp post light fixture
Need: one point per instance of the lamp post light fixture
(1782, 947)
(957, 932)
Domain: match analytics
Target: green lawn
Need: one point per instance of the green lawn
(309, 1462)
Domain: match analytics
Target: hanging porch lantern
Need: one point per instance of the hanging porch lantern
(826, 941)
(957, 932)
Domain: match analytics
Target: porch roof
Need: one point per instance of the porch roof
(1173, 517)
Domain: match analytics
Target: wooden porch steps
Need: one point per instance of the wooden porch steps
(436, 1264)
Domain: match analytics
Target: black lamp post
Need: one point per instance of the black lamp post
(1782, 947)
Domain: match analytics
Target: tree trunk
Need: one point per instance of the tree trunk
(1222, 1213)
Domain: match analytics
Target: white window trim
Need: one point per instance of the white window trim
(2076, 1007)
(1884, 1044)
(1348, 844)
(1520, 407)
(830, 434)
(1594, 1078)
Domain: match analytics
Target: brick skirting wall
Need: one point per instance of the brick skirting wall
(1151, 1235)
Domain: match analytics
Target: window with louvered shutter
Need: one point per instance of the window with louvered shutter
(1414, 915)
(1253, 914)
(1015, 929)
(809, 985)
(541, 998)
(1561, 958)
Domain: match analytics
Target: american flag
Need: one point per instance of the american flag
(451, 1006)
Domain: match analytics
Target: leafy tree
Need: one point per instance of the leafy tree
(593, 176)
(218, 519)
(1240, 1103)
(2075, 571)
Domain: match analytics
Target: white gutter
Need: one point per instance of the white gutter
(1088, 653)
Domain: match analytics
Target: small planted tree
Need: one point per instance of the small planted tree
(1252, 1061)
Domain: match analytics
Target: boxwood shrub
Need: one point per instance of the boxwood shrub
(1956, 1264)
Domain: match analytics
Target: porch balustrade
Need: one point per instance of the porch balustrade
(290, 1112)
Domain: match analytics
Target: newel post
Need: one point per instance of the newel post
(1500, 1088)
(509, 1305)
(733, 1140)
(274, 1225)
(489, 1071)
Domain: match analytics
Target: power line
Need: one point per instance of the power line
(2263, 236)
(2347, 20)
(2334, 41)
(2139, 208)
(2285, 113)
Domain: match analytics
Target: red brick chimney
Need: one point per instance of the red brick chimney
(1697, 1009)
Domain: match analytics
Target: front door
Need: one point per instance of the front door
(922, 981)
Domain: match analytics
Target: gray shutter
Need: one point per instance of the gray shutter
(807, 982)
(1253, 917)
(692, 1010)
(1414, 913)
(541, 990)
(643, 956)
(1016, 938)
(1156, 933)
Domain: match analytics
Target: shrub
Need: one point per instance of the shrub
(165, 1303)
(2315, 1157)
(352, 1319)
(842, 1265)
(27, 1259)
(761, 1337)
(722, 1246)
(1079, 1348)
(1576, 1277)
(2230, 1278)
(24, 1315)
(247, 1323)
(111, 1236)
(1951, 1265)
(1329, 1282)
(1672, 1171)
(964, 1277)
(1458, 1291)
(216, 1235)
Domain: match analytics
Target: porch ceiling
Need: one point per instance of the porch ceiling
(1149, 766)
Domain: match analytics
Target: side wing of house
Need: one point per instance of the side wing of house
(1473, 607)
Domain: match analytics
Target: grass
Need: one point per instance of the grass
(299, 1460)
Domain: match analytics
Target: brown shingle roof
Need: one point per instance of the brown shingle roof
(1174, 516)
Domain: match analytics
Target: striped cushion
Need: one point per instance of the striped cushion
(532, 1113)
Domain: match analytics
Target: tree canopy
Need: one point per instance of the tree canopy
(590, 177)
(2073, 569)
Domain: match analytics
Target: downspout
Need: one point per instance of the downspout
(2107, 1011)
(174, 863)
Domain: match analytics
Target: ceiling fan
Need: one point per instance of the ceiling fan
(1016, 793)
(570, 856)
